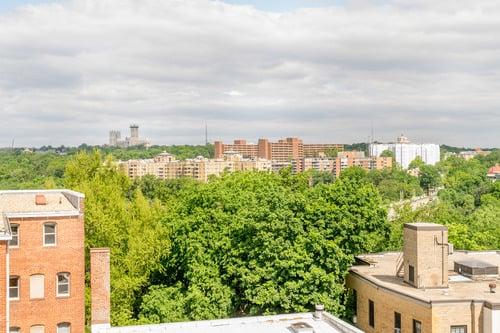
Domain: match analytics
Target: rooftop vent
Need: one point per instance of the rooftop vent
(475, 268)
(40, 200)
(318, 313)
(302, 327)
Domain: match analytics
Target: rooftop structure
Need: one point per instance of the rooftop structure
(428, 286)
(405, 152)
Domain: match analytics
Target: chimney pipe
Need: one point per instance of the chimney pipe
(100, 289)
(318, 313)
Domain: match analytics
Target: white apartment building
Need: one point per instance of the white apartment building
(405, 152)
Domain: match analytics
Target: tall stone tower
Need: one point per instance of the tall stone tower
(134, 134)
(114, 137)
(425, 255)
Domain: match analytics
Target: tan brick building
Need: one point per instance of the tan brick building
(345, 160)
(42, 261)
(165, 166)
(427, 288)
(348, 159)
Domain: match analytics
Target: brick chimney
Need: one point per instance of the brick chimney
(100, 289)
(425, 255)
(40, 200)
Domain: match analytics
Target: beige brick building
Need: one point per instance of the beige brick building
(165, 166)
(343, 161)
(427, 288)
(348, 159)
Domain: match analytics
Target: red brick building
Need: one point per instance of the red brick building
(285, 150)
(42, 265)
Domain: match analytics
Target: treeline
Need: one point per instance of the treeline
(45, 167)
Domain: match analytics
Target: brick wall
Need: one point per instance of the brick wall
(100, 286)
(386, 303)
(3, 286)
(31, 257)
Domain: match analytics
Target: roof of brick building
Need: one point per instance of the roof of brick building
(36, 203)
(383, 266)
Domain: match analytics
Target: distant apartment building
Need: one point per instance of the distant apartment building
(470, 154)
(348, 159)
(282, 152)
(318, 321)
(115, 139)
(345, 160)
(165, 166)
(405, 152)
(42, 261)
(426, 288)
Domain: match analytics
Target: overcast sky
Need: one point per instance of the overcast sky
(323, 70)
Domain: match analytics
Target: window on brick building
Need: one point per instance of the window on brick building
(14, 330)
(49, 234)
(37, 286)
(63, 286)
(64, 328)
(37, 329)
(14, 287)
(417, 326)
(371, 313)
(411, 273)
(14, 242)
(397, 322)
(458, 329)
(355, 301)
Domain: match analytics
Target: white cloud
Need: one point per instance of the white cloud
(69, 72)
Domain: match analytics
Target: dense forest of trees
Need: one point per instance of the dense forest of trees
(251, 242)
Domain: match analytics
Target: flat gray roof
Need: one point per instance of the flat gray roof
(262, 324)
(383, 267)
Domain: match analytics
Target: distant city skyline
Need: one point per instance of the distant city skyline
(321, 70)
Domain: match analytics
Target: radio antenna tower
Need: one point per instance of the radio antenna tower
(206, 134)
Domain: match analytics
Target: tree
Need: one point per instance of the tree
(387, 153)
(332, 153)
(429, 177)
(417, 163)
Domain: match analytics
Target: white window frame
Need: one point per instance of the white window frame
(48, 234)
(63, 325)
(18, 287)
(14, 329)
(58, 294)
(16, 235)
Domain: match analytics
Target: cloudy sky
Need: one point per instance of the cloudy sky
(323, 70)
